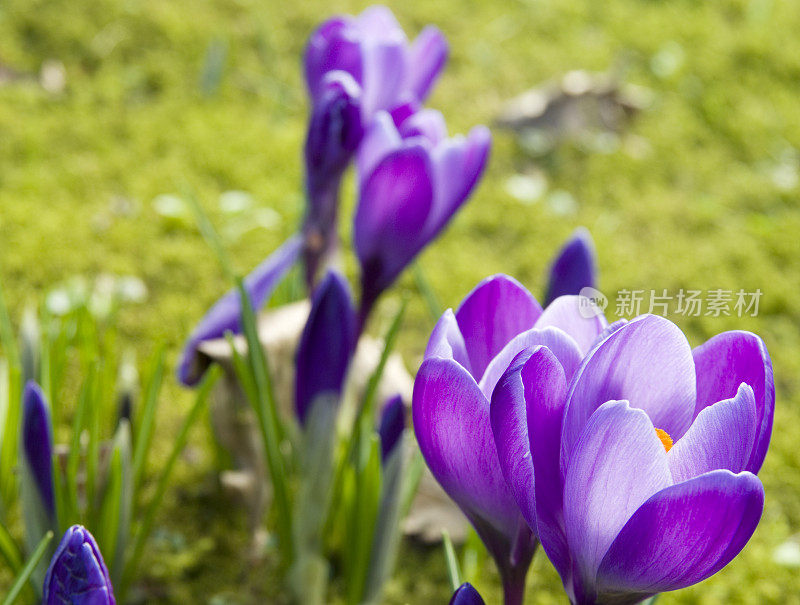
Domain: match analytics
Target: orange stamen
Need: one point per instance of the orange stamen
(666, 440)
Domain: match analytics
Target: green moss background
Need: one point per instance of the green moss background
(701, 193)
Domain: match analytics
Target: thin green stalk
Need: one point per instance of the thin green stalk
(7, 333)
(146, 425)
(266, 411)
(209, 233)
(22, 578)
(364, 410)
(10, 551)
(453, 572)
(367, 407)
(78, 424)
(150, 514)
(428, 295)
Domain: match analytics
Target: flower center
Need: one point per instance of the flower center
(666, 440)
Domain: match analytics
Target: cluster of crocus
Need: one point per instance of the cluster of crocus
(366, 83)
(539, 415)
(77, 574)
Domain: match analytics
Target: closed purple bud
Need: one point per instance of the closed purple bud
(37, 442)
(225, 315)
(77, 574)
(326, 344)
(335, 128)
(334, 133)
(466, 595)
(574, 268)
(413, 180)
(392, 424)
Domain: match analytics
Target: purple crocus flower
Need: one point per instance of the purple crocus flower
(334, 133)
(374, 50)
(466, 595)
(225, 315)
(574, 267)
(326, 344)
(413, 179)
(392, 424)
(467, 354)
(694, 426)
(37, 443)
(77, 574)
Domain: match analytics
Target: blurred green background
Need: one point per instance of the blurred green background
(160, 97)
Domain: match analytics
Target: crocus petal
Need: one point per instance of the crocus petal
(574, 268)
(726, 361)
(683, 534)
(458, 164)
(37, 442)
(447, 342)
(565, 313)
(427, 58)
(545, 385)
(380, 138)
(600, 490)
(647, 362)
(225, 315)
(452, 425)
(402, 112)
(384, 65)
(491, 315)
(384, 57)
(559, 343)
(392, 209)
(333, 46)
(426, 123)
(508, 415)
(77, 574)
(612, 327)
(721, 437)
(392, 424)
(326, 344)
(466, 595)
(514, 415)
(379, 22)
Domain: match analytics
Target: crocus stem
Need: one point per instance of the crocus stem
(514, 587)
(364, 310)
(320, 228)
(513, 576)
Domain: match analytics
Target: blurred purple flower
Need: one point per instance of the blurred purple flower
(573, 268)
(374, 50)
(77, 574)
(467, 354)
(326, 344)
(37, 443)
(334, 133)
(695, 426)
(466, 595)
(225, 315)
(392, 424)
(413, 180)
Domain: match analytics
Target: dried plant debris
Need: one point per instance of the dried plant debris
(578, 105)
